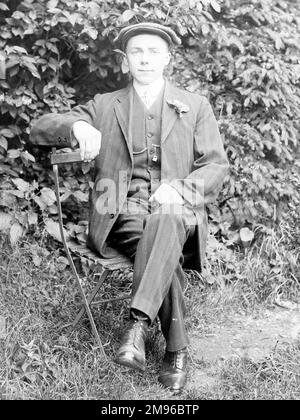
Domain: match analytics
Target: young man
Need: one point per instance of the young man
(159, 160)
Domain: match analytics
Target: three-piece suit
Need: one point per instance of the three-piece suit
(176, 142)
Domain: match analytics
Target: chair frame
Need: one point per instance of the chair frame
(107, 265)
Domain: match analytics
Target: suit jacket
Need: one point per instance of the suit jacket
(192, 156)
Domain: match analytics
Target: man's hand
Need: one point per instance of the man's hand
(165, 194)
(89, 139)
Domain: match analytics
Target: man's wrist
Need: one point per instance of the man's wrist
(73, 140)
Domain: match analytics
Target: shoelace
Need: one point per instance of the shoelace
(137, 326)
(179, 361)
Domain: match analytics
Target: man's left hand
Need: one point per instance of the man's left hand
(165, 194)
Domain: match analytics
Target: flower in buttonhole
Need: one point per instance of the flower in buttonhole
(179, 107)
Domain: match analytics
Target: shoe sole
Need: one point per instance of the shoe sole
(132, 364)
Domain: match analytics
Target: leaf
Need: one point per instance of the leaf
(3, 7)
(51, 4)
(21, 184)
(215, 5)
(13, 153)
(127, 15)
(73, 18)
(28, 156)
(19, 50)
(5, 221)
(40, 202)
(205, 29)
(36, 260)
(16, 232)
(6, 132)
(53, 229)
(48, 196)
(62, 263)
(84, 197)
(3, 143)
(92, 32)
(246, 236)
(32, 218)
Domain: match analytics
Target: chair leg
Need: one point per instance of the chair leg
(91, 297)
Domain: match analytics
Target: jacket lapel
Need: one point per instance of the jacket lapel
(169, 116)
(123, 110)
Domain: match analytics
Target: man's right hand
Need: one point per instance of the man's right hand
(89, 139)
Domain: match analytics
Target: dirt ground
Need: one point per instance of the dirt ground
(254, 337)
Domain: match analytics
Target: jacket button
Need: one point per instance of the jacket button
(111, 215)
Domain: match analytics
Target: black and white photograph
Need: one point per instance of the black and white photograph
(149, 203)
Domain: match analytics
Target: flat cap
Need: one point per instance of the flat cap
(146, 28)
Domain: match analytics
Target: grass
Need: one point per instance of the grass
(41, 357)
(275, 378)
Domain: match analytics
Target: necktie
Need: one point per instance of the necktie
(145, 98)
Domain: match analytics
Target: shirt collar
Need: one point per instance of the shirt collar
(153, 89)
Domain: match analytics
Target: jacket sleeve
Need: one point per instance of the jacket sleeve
(55, 129)
(210, 166)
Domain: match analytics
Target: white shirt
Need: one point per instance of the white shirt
(149, 93)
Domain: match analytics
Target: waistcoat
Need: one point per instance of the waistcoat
(146, 139)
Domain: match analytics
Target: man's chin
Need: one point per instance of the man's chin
(146, 79)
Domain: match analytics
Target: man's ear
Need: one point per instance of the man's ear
(124, 62)
(168, 58)
(124, 65)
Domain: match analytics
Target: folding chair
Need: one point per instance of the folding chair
(107, 265)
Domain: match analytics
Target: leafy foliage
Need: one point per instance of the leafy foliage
(243, 55)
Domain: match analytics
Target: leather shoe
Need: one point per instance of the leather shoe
(132, 350)
(173, 372)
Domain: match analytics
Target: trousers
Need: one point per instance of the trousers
(155, 241)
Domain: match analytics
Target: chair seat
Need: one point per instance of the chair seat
(117, 263)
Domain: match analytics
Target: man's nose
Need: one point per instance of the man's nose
(145, 58)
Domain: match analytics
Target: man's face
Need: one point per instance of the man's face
(147, 56)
